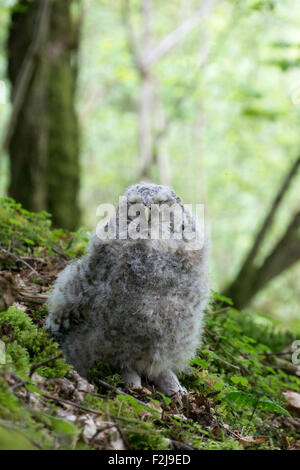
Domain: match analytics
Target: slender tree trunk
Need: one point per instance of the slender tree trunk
(252, 278)
(42, 136)
(160, 152)
(145, 125)
(283, 256)
(146, 94)
(145, 56)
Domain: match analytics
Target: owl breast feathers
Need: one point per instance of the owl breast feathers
(136, 304)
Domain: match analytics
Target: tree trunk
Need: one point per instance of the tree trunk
(283, 256)
(42, 136)
(28, 140)
(252, 278)
(62, 175)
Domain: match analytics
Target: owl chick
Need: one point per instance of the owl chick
(135, 303)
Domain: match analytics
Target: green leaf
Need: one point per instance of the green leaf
(240, 399)
(239, 380)
(268, 405)
(199, 362)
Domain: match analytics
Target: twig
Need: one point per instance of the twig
(34, 367)
(219, 311)
(123, 437)
(104, 428)
(117, 390)
(17, 258)
(22, 382)
(60, 253)
(18, 384)
(177, 445)
(289, 353)
(99, 395)
(240, 367)
(227, 363)
(85, 408)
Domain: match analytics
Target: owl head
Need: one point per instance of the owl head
(148, 193)
(153, 212)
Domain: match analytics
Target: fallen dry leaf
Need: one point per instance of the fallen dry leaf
(250, 440)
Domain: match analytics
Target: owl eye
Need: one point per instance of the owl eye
(161, 197)
(135, 198)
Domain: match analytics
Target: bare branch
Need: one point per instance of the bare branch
(132, 42)
(172, 39)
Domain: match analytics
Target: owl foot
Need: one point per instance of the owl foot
(168, 383)
(132, 379)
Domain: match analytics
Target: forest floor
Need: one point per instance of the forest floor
(243, 389)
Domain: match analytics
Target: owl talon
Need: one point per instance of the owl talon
(132, 380)
(168, 383)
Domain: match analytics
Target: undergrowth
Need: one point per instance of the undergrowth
(235, 386)
(24, 233)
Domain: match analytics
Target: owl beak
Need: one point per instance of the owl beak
(147, 213)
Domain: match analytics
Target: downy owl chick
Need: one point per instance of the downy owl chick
(135, 302)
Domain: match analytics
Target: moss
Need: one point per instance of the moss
(210, 444)
(18, 356)
(31, 345)
(141, 435)
(14, 440)
(24, 428)
(101, 369)
(9, 404)
(147, 437)
(25, 233)
(62, 172)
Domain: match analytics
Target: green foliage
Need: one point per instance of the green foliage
(146, 437)
(234, 364)
(233, 375)
(230, 373)
(24, 428)
(9, 404)
(104, 370)
(14, 440)
(241, 400)
(29, 233)
(233, 381)
(30, 345)
(141, 435)
(24, 230)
